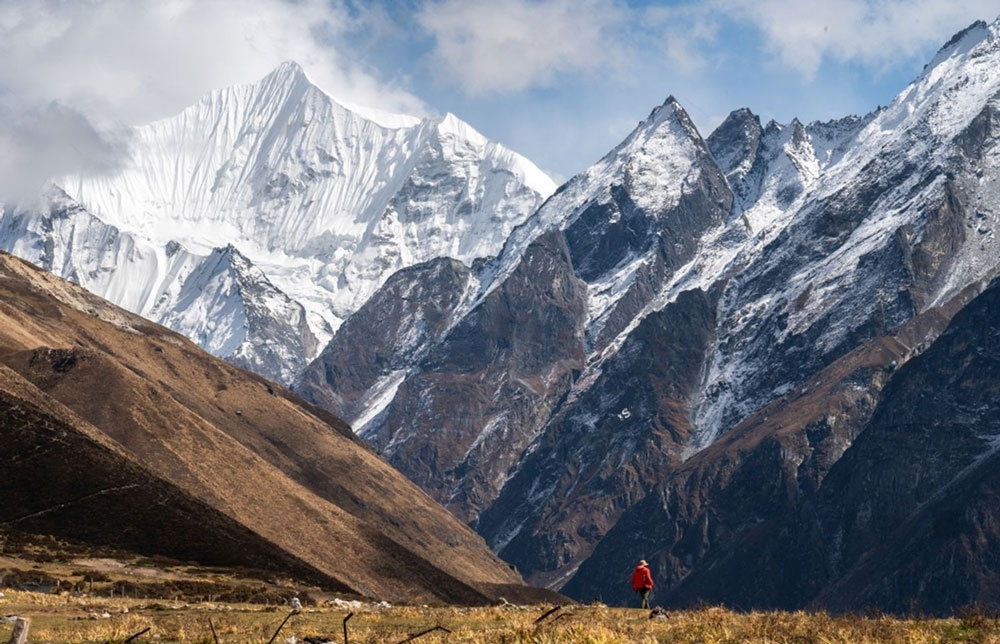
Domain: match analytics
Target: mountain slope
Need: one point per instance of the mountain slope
(86, 475)
(713, 282)
(872, 488)
(526, 328)
(323, 202)
(236, 451)
(916, 495)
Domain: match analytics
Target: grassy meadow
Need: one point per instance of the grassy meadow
(63, 618)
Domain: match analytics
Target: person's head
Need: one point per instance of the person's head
(642, 562)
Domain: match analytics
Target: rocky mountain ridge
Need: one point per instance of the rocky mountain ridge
(664, 302)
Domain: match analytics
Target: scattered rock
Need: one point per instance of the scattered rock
(345, 604)
(20, 632)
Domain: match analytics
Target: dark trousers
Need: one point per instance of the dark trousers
(645, 598)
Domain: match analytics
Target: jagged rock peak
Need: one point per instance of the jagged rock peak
(963, 42)
(670, 111)
(735, 141)
(976, 28)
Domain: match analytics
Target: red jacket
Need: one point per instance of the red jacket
(641, 579)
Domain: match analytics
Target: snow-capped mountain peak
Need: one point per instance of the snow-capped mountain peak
(324, 198)
(963, 41)
(451, 125)
(655, 161)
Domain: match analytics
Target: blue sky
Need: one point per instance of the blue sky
(712, 56)
(561, 81)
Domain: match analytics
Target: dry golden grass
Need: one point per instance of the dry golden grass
(64, 619)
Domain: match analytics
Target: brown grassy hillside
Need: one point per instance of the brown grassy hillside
(142, 403)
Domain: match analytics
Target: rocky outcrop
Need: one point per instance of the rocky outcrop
(476, 400)
(385, 337)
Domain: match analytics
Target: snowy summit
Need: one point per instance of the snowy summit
(258, 219)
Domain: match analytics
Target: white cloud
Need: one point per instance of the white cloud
(491, 46)
(487, 46)
(874, 33)
(37, 144)
(108, 62)
(140, 59)
(684, 35)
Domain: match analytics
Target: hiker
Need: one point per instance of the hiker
(642, 582)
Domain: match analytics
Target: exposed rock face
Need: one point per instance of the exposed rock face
(913, 503)
(574, 485)
(745, 301)
(385, 336)
(498, 373)
(872, 488)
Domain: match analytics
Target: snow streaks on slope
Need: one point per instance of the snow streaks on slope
(322, 201)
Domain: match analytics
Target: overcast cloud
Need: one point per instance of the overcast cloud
(876, 34)
(114, 62)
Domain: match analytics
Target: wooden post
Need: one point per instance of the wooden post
(215, 636)
(349, 616)
(132, 637)
(547, 613)
(280, 626)
(422, 633)
(20, 634)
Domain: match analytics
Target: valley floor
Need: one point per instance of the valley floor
(76, 594)
(69, 619)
